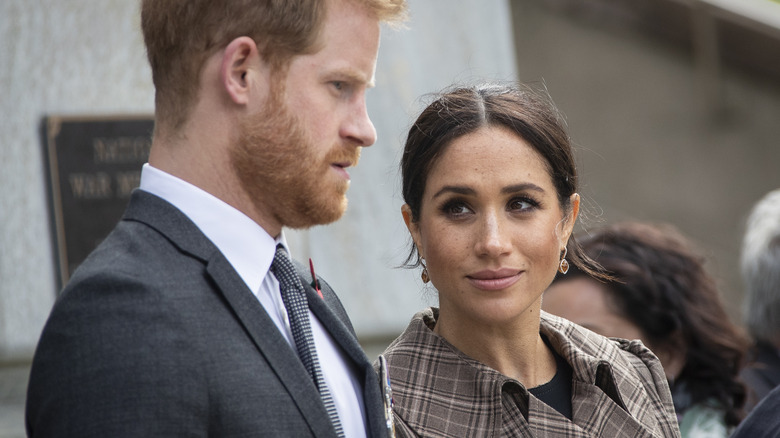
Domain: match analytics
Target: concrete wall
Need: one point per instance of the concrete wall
(86, 57)
(75, 57)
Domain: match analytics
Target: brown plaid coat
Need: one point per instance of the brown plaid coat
(618, 388)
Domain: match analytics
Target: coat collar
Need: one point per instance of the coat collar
(605, 383)
(604, 370)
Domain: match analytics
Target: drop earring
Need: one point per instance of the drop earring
(424, 274)
(563, 267)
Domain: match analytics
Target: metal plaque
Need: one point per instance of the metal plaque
(93, 165)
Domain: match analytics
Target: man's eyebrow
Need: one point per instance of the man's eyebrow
(352, 75)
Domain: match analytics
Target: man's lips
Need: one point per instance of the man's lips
(341, 168)
(494, 279)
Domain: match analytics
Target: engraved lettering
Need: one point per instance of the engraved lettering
(90, 185)
(120, 150)
(126, 182)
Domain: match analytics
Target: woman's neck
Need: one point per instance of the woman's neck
(515, 349)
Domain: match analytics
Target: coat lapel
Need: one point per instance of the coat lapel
(599, 415)
(607, 398)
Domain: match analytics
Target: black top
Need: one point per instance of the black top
(557, 392)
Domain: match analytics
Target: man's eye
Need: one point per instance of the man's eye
(338, 85)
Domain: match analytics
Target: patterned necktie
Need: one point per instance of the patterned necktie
(298, 312)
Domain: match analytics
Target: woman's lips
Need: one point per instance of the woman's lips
(494, 280)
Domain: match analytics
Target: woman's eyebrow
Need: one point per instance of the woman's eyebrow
(514, 188)
(461, 190)
(464, 190)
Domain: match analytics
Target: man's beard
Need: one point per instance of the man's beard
(276, 164)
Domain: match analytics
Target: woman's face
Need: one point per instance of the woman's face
(490, 228)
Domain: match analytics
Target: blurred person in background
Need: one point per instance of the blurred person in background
(760, 265)
(662, 295)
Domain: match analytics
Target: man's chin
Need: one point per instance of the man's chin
(318, 215)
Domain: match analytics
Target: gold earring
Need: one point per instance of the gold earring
(424, 275)
(563, 267)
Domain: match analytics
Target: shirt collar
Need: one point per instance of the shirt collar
(244, 243)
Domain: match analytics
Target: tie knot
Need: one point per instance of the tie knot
(284, 271)
(281, 257)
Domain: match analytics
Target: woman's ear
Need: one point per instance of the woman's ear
(413, 227)
(673, 357)
(567, 225)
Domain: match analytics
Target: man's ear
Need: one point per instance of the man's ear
(239, 59)
(413, 227)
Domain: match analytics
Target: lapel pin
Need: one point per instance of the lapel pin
(314, 283)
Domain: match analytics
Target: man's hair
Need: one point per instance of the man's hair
(181, 34)
(760, 263)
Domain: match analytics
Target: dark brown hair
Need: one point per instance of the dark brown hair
(661, 285)
(463, 110)
(181, 34)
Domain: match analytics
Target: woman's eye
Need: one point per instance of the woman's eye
(455, 209)
(522, 204)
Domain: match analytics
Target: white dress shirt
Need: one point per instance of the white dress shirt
(250, 250)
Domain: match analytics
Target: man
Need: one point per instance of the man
(189, 320)
(760, 265)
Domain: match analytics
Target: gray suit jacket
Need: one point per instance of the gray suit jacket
(156, 335)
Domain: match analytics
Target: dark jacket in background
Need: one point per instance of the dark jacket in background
(764, 420)
(762, 373)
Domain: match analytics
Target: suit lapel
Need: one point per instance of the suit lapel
(272, 345)
(340, 333)
(176, 227)
(345, 338)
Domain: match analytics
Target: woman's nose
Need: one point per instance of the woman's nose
(492, 240)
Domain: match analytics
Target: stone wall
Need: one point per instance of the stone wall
(86, 57)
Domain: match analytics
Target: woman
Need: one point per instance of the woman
(662, 295)
(490, 189)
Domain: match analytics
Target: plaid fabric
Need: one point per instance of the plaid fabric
(618, 390)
